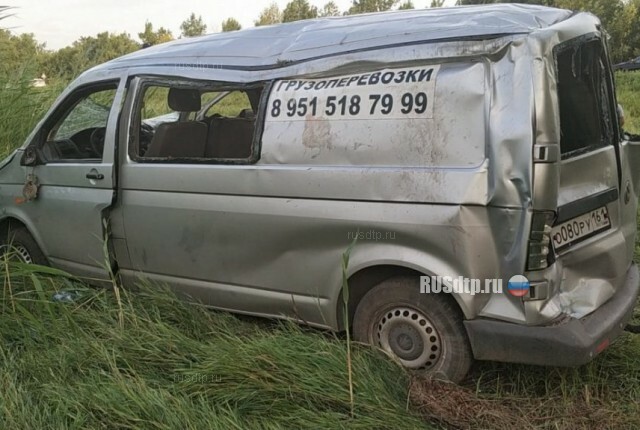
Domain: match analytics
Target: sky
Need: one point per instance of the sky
(59, 22)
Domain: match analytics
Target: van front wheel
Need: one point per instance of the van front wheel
(20, 246)
(424, 332)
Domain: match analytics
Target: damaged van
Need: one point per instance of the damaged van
(471, 142)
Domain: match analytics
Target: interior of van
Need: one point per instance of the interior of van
(178, 123)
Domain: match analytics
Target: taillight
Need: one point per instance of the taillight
(540, 240)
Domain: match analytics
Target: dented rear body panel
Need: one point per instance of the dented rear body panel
(448, 147)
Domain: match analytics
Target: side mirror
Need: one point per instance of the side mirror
(30, 157)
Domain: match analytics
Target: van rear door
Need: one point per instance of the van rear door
(594, 231)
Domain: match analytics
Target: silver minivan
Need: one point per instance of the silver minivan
(451, 146)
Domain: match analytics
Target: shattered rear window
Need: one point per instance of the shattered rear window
(585, 114)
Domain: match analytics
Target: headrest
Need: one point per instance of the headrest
(184, 100)
(246, 113)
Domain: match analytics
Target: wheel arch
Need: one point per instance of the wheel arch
(363, 279)
(11, 221)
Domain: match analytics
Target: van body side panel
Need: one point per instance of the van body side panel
(393, 117)
(281, 256)
(268, 238)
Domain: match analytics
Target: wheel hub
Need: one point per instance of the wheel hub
(410, 336)
(405, 341)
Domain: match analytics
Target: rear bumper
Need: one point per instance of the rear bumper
(572, 343)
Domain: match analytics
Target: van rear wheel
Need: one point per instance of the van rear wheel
(20, 246)
(424, 332)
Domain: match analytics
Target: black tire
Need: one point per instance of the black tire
(424, 332)
(21, 244)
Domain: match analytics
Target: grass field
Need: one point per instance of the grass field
(143, 359)
(628, 87)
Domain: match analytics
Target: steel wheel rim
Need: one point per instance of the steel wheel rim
(409, 335)
(23, 254)
(18, 252)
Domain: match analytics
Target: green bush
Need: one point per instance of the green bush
(21, 107)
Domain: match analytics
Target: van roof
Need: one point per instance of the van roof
(270, 47)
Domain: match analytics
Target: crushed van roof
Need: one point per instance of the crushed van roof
(278, 45)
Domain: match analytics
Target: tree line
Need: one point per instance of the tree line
(620, 18)
(24, 55)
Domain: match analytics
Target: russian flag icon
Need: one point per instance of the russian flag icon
(518, 286)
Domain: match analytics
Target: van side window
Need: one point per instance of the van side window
(585, 110)
(79, 126)
(197, 125)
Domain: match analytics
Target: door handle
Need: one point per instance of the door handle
(95, 176)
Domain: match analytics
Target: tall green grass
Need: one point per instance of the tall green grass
(21, 107)
(176, 365)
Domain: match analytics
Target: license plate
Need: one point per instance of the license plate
(580, 228)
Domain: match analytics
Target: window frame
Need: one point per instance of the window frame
(613, 135)
(61, 113)
(187, 83)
